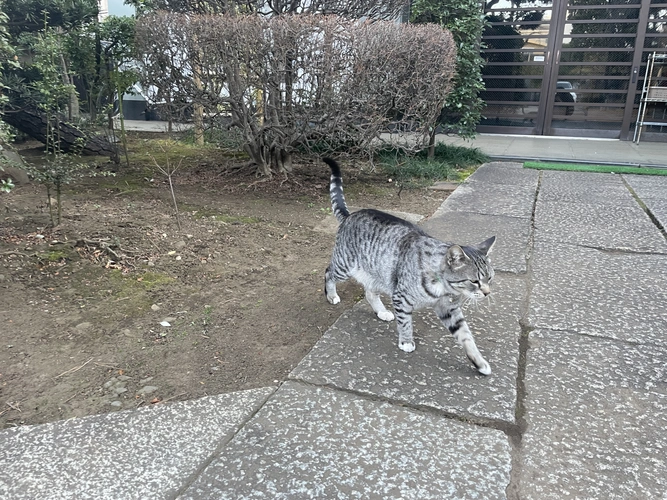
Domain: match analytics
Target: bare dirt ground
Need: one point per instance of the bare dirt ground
(84, 306)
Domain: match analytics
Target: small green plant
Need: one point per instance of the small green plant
(57, 170)
(6, 185)
(208, 310)
(457, 156)
(448, 163)
(55, 255)
(411, 173)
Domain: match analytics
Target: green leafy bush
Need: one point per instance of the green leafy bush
(465, 20)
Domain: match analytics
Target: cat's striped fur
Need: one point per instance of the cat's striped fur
(391, 256)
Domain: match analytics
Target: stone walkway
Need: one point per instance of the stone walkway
(576, 407)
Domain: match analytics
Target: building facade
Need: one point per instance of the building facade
(571, 67)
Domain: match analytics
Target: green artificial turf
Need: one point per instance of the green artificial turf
(608, 169)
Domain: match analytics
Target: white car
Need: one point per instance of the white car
(567, 86)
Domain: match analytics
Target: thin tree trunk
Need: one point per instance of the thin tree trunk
(73, 101)
(123, 135)
(58, 193)
(48, 200)
(431, 143)
(198, 117)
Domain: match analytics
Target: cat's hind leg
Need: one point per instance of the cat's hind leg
(454, 321)
(374, 300)
(330, 287)
(335, 273)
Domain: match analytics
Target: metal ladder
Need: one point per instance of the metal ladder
(652, 91)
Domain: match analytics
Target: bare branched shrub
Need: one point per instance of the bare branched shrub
(353, 9)
(302, 82)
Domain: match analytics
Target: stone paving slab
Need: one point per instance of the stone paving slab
(596, 411)
(652, 191)
(145, 453)
(601, 226)
(359, 353)
(647, 186)
(584, 187)
(493, 199)
(505, 173)
(309, 442)
(512, 235)
(599, 293)
(658, 208)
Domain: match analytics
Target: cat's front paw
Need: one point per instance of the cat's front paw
(480, 363)
(333, 299)
(485, 369)
(482, 366)
(406, 346)
(386, 316)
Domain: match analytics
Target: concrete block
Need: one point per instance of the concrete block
(310, 442)
(596, 411)
(601, 226)
(585, 188)
(360, 353)
(145, 453)
(599, 293)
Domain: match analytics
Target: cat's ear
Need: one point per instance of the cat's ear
(486, 246)
(456, 258)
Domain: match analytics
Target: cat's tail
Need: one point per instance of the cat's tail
(336, 191)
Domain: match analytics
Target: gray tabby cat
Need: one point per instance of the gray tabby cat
(392, 256)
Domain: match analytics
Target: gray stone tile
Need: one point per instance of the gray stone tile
(586, 188)
(648, 186)
(488, 198)
(602, 226)
(309, 442)
(599, 293)
(505, 173)
(359, 352)
(658, 208)
(146, 453)
(652, 191)
(596, 411)
(512, 235)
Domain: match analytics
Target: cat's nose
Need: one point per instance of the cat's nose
(486, 289)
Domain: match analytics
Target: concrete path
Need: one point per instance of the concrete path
(570, 149)
(576, 406)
